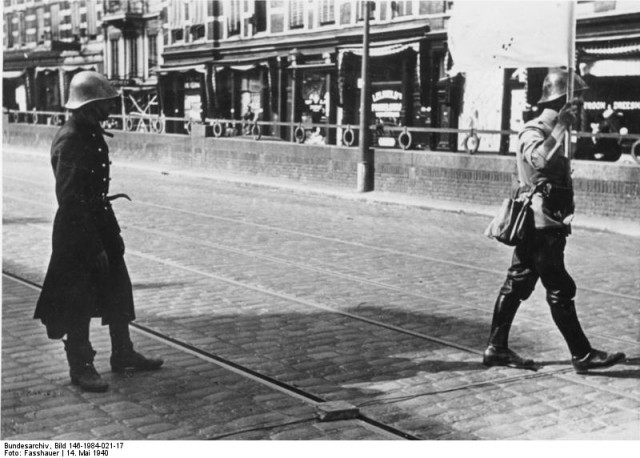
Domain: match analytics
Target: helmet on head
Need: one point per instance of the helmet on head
(89, 86)
(555, 85)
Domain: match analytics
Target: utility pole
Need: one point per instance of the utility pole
(366, 156)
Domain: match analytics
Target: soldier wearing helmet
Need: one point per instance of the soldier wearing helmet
(87, 275)
(541, 164)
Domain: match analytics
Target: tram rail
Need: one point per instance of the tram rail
(493, 384)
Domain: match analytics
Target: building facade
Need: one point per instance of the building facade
(44, 45)
(47, 42)
(297, 63)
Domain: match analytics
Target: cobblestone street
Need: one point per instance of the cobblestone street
(384, 306)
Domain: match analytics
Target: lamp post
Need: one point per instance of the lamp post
(294, 54)
(366, 156)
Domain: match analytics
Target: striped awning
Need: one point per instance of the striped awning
(610, 50)
(10, 75)
(612, 67)
(200, 68)
(383, 49)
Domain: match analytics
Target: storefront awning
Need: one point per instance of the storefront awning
(612, 67)
(247, 62)
(200, 68)
(11, 75)
(609, 50)
(381, 49)
(46, 69)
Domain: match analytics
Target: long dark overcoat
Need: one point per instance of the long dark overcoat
(84, 225)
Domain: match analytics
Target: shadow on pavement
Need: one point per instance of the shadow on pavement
(25, 220)
(156, 285)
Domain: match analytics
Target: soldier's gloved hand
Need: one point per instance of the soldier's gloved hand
(569, 113)
(101, 262)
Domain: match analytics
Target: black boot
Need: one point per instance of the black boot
(497, 352)
(81, 369)
(596, 359)
(123, 356)
(565, 317)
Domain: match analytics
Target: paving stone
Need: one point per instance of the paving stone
(295, 244)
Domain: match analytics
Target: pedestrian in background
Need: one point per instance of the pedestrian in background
(541, 162)
(87, 275)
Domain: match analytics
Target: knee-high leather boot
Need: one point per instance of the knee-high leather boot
(583, 356)
(123, 356)
(497, 352)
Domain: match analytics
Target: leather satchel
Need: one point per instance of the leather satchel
(514, 220)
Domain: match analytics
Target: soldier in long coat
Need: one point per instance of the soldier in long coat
(87, 275)
(541, 164)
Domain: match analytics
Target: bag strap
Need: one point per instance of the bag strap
(535, 189)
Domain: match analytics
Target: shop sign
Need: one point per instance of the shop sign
(315, 103)
(386, 104)
(622, 105)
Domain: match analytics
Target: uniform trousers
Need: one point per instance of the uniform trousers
(541, 256)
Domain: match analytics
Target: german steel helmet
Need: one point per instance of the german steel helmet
(89, 86)
(555, 85)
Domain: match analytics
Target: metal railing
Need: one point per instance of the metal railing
(398, 137)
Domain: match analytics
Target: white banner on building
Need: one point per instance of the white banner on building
(500, 34)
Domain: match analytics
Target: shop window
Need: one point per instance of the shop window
(327, 12)
(296, 14)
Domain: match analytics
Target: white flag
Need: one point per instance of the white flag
(500, 34)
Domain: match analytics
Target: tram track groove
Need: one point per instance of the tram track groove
(311, 303)
(563, 373)
(334, 273)
(315, 401)
(339, 241)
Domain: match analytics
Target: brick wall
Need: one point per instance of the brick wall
(602, 189)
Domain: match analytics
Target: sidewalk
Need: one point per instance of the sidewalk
(597, 223)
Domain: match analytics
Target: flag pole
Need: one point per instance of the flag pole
(571, 69)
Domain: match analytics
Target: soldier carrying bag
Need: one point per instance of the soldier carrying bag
(514, 220)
